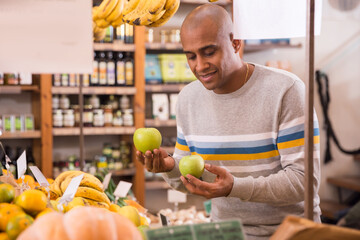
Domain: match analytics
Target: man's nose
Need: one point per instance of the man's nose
(201, 64)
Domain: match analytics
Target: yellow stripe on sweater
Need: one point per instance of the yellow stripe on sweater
(296, 143)
(182, 147)
(254, 156)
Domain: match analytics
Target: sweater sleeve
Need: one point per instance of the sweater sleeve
(287, 185)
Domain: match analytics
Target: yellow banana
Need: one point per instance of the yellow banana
(105, 8)
(171, 7)
(117, 22)
(56, 184)
(87, 181)
(148, 18)
(130, 6)
(68, 179)
(96, 203)
(117, 11)
(92, 194)
(146, 14)
(102, 23)
(94, 12)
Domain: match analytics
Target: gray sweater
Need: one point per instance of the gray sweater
(257, 134)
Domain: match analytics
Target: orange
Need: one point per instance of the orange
(45, 211)
(7, 193)
(32, 201)
(50, 180)
(18, 224)
(8, 212)
(4, 236)
(114, 208)
(27, 179)
(5, 172)
(2, 205)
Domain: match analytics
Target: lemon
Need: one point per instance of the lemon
(45, 211)
(114, 208)
(32, 201)
(76, 202)
(143, 221)
(7, 193)
(130, 213)
(18, 224)
(8, 212)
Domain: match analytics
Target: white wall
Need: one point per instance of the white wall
(344, 85)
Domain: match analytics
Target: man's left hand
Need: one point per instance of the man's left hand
(221, 187)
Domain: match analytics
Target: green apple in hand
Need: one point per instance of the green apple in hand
(193, 165)
(147, 139)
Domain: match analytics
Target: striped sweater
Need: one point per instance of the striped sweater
(257, 134)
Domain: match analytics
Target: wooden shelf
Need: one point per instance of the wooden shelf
(123, 172)
(160, 123)
(352, 183)
(95, 90)
(94, 131)
(18, 89)
(164, 47)
(115, 46)
(219, 2)
(331, 209)
(155, 185)
(21, 135)
(262, 47)
(164, 88)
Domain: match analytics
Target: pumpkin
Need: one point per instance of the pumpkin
(82, 223)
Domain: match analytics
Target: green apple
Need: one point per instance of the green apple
(147, 139)
(193, 165)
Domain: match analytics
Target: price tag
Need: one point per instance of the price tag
(39, 176)
(106, 181)
(21, 165)
(176, 196)
(122, 189)
(70, 191)
(164, 220)
(224, 230)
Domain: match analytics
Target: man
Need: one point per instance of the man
(247, 122)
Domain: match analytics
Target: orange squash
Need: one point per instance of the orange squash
(88, 223)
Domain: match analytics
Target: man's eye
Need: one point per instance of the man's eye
(209, 53)
(191, 57)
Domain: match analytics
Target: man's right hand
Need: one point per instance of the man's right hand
(156, 161)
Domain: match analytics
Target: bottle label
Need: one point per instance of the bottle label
(102, 73)
(120, 69)
(129, 76)
(95, 74)
(111, 73)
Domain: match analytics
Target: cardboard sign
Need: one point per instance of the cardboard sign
(21, 165)
(106, 181)
(224, 230)
(122, 189)
(70, 191)
(176, 196)
(40, 178)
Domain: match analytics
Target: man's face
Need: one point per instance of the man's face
(209, 55)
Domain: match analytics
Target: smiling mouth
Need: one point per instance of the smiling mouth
(207, 77)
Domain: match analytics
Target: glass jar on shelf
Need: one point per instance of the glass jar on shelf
(95, 101)
(57, 118)
(55, 102)
(108, 115)
(118, 119)
(76, 109)
(128, 117)
(163, 37)
(124, 102)
(88, 116)
(98, 118)
(69, 118)
(64, 102)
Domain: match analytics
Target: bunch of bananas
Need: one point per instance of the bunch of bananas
(152, 13)
(90, 188)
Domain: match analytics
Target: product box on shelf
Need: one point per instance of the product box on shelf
(169, 68)
(160, 103)
(185, 73)
(152, 69)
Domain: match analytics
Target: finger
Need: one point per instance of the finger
(148, 160)
(215, 169)
(198, 183)
(156, 160)
(140, 157)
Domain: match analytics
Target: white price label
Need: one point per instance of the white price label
(21, 165)
(122, 189)
(176, 196)
(70, 191)
(106, 181)
(164, 220)
(39, 176)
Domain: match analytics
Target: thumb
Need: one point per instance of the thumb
(215, 169)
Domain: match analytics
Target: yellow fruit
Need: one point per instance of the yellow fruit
(3, 236)
(53, 204)
(7, 193)
(96, 203)
(2, 205)
(45, 211)
(130, 213)
(8, 212)
(50, 180)
(18, 224)
(114, 208)
(27, 179)
(32, 201)
(76, 202)
(143, 221)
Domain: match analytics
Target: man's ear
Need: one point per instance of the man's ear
(236, 43)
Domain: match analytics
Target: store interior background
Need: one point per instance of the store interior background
(344, 111)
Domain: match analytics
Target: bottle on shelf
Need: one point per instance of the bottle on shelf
(129, 70)
(110, 70)
(95, 101)
(129, 33)
(94, 81)
(102, 69)
(72, 80)
(64, 80)
(56, 80)
(120, 69)
(112, 101)
(120, 33)
(124, 102)
(109, 35)
(11, 79)
(64, 102)
(30, 160)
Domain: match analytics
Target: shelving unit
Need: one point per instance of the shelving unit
(94, 131)
(160, 123)
(21, 135)
(115, 46)
(18, 89)
(95, 90)
(167, 88)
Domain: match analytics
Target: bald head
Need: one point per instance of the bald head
(208, 16)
